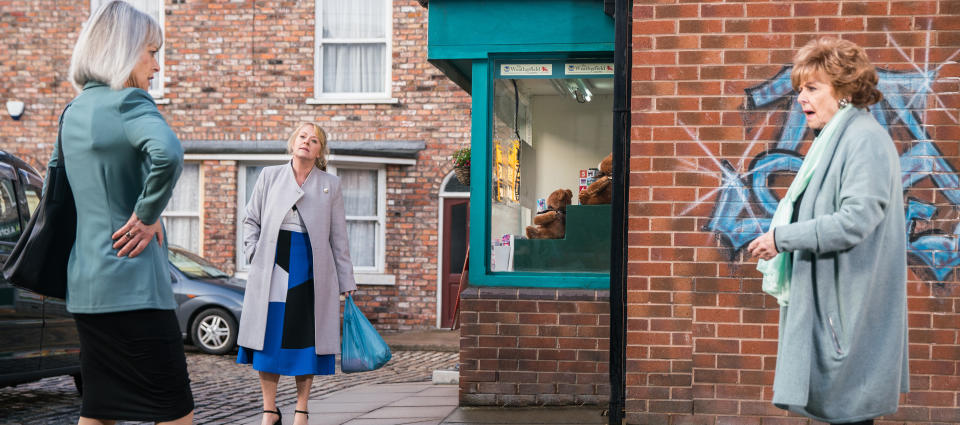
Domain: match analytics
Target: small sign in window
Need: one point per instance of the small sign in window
(526, 69)
(588, 68)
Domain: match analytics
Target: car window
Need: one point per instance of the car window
(33, 185)
(9, 217)
(193, 265)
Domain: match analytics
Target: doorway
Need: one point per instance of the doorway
(454, 239)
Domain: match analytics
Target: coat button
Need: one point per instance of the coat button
(325, 190)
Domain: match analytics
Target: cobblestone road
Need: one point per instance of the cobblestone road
(224, 392)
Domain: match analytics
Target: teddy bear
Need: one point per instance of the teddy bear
(601, 190)
(551, 224)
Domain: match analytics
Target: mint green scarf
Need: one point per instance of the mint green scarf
(777, 272)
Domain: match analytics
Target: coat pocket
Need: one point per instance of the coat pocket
(835, 336)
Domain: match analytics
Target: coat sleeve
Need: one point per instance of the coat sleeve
(339, 244)
(865, 185)
(251, 223)
(148, 131)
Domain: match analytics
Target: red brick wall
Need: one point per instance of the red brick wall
(702, 337)
(244, 71)
(529, 347)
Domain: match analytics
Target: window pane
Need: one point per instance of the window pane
(354, 18)
(253, 172)
(359, 191)
(363, 243)
(183, 232)
(564, 132)
(353, 68)
(9, 217)
(33, 199)
(186, 194)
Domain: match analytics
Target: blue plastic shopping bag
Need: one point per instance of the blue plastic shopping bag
(363, 349)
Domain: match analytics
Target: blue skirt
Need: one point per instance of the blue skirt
(289, 346)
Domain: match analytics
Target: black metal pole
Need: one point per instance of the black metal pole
(622, 64)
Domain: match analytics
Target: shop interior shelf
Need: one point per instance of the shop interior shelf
(584, 248)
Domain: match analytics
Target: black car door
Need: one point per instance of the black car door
(21, 312)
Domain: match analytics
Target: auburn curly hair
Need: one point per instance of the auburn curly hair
(846, 66)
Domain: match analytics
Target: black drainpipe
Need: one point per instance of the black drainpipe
(622, 64)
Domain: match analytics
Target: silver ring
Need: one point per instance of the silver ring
(128, 235)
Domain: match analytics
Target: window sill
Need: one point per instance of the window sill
(161, 100)
(375, 279)
(349, 101)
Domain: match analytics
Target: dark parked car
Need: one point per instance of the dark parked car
(38, 337)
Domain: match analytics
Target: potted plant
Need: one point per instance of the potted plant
(461, 165)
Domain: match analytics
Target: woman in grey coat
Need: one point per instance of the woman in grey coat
(295, 238)
(835, 256)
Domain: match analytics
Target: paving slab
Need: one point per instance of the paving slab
(417, 400)
(393, 421)
(324, 407)
(441, 391)
(425, 412)
(526, 416)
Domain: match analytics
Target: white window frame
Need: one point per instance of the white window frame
(321, 98)
(363, 275)
(156, 92)
(380, 219)
(198, 214)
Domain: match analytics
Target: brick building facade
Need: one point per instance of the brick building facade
(714, 129)
(237, 76)
(712, 109)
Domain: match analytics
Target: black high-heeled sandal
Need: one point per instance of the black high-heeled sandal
(302, 411)
(279, 420)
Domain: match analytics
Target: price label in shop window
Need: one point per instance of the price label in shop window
(526, 69)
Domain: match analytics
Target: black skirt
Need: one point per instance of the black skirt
(133, 366)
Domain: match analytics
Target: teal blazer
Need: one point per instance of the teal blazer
(121, 157)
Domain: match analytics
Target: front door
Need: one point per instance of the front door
(456, 219)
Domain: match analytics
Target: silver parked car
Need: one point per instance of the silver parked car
(208, 301)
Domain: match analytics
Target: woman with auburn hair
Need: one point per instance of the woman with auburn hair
(122, 162)
(295, 239)
(835, 255)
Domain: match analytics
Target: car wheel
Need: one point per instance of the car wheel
(214, 331)
(78, 381)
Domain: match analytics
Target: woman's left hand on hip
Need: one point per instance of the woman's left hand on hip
(134, 236)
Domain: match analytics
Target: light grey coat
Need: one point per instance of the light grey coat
(842, 354)
(320, 203)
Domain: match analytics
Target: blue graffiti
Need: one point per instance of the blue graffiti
(741, 214)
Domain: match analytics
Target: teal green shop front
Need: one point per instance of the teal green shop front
(535, 313)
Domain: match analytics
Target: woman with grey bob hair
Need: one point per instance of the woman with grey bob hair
(110, 45)
(122, 162)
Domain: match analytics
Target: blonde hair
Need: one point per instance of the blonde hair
(110, 45)
(846, 66)
(321, 161)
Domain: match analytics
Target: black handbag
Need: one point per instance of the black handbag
(38, 262)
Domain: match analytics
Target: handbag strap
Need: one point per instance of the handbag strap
(60, 159)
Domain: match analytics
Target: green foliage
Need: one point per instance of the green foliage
(461, 158)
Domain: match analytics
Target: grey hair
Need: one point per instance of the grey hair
(110, 45)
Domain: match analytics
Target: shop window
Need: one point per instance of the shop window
(551, 127)
(181, 218)
(364, 200)
(352, 55)
(155, 9)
